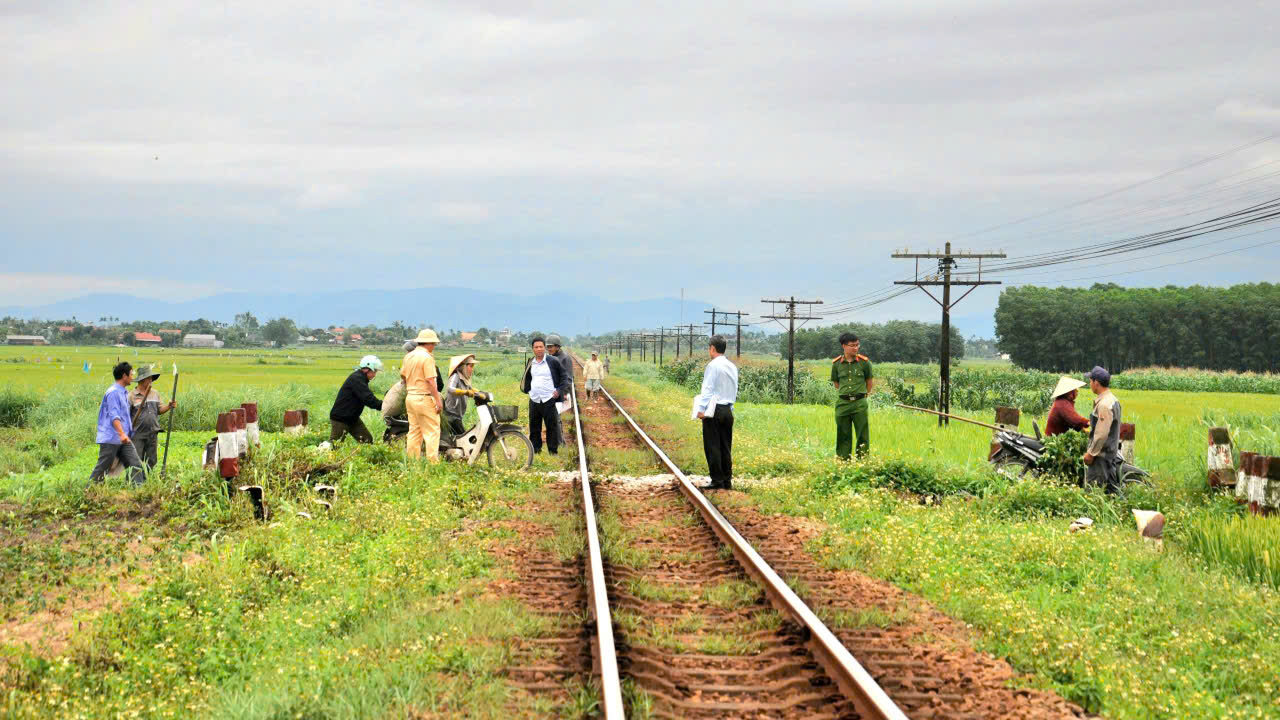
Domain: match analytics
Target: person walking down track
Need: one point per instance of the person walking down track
(593, 371)
(852, 378)
(353, 397)
(115, 426)
(422, 397)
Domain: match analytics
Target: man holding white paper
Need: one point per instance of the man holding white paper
(714, 407)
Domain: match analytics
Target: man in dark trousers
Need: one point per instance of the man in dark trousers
(544, 382)
(566, 362)
(714, 407)
(115, 426)
(353, 397)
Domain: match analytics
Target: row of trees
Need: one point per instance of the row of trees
(894, 341)
(1065, 329)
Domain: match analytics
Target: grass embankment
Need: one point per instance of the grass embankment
(378, 607)
(1098, 617)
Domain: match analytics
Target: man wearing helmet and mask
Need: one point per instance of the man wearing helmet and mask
(353, 397)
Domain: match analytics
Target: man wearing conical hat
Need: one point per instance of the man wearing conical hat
(1063, 415)
(147, 409)
(422, 400)
(461, 368)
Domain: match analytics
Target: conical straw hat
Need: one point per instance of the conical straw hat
(457, 360)
(1066, 385)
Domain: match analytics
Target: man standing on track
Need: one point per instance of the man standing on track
(543, 376)
(566, 363)
(851, 375)
(593, 371)
(422, 397)
(714, 407)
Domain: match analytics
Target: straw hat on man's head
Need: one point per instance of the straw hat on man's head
(144, 372)
(427, 335)
(1065, 385)
(459, 360)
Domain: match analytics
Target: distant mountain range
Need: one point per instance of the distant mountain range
(442, 308)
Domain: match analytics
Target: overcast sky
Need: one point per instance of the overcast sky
(736, 149)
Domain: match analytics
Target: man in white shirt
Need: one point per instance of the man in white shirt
(543, 378)
(714, 406)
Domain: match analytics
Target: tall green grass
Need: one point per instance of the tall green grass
(15, 406)
(1249, 544)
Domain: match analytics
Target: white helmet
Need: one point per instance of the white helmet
(370, 361)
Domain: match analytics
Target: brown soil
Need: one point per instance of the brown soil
(600, 426)
(924, 659)
(694, 632)
(113, 556)
(554, 664)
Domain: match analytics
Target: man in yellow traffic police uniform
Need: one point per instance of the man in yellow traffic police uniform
(851, 375)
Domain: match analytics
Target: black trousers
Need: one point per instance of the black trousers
(540, 412)
(717, 443)
(339, 429)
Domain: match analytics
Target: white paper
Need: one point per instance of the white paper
(709, 412)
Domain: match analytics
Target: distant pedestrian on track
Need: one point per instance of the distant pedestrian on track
(422, 401)
(593, 371)
(606, 365)
(851, 376)
(543, 380)
(115, 426)
(353, 397)
(147, 409)
(714, 407)
(1103, 455)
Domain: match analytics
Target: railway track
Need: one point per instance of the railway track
(684, 607)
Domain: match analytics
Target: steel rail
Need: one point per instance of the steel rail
(854, 681)
(606, 654)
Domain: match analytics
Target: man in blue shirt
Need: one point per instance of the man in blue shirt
(115, 425)
(714, 407)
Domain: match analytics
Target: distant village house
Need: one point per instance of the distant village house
(201, 341)
(25, 340)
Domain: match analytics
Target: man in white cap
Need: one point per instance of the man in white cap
(422, 397)
(1063, 415)
(353, 397)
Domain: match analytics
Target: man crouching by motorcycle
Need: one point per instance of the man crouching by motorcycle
(461, 368)
(354, 397)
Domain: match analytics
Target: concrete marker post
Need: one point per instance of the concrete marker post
(251, 425)
(228, 456)
(1242, 476)
(1222, 470)
(293, 422)
(1127, 433)
(1007, 418)
(1258, 482)
(1271, 487)
(242, 438)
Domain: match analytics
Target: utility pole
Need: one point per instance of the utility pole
(690, 328)
(713, 319)
(738, 314)
(791, 317)
(946, 263)
(737, 347)
(662, 338)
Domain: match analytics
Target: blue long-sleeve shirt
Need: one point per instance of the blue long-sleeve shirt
(719, 384)
(115, 406)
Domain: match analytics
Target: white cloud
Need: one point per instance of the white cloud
(463, 212)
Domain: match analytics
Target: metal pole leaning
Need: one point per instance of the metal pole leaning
(164, 464)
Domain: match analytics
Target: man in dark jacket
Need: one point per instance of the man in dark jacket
(566, 362)
(353, 398)
(545, 383)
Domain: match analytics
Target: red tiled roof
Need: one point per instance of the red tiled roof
(66, 328)
(146, 337)
(170, 331)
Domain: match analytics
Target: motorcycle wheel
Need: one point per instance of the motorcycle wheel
(510, 450)
(1010, 466)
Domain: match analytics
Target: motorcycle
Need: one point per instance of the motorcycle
(503, 444)
(1019, 454)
